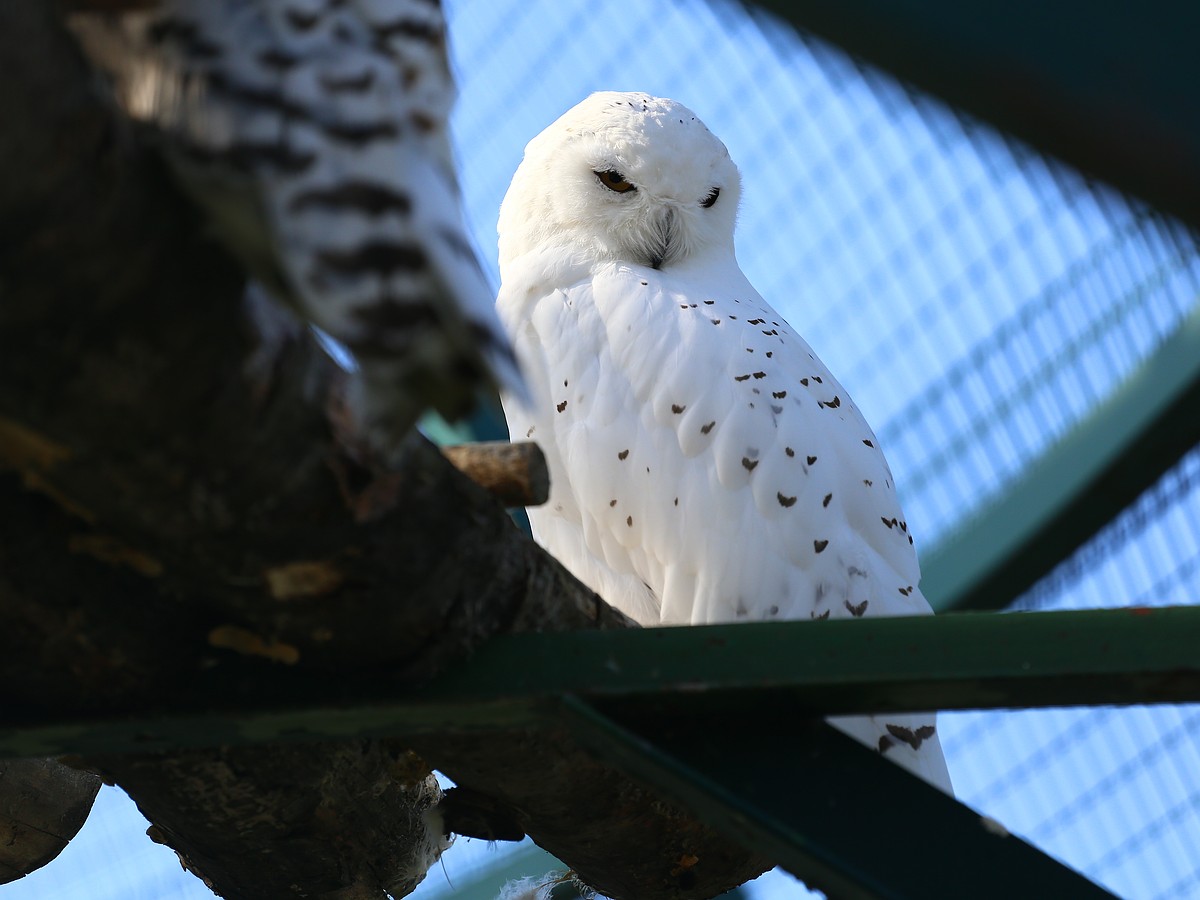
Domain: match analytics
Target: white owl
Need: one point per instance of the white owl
(705, 466)
(314, 134)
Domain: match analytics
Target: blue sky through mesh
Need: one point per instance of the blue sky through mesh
(976, 299)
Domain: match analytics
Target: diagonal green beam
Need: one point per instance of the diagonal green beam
(961, 661)
(1076, 487)
(1108, 87)
(834, 814)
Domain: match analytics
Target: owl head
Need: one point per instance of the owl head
(623, 177)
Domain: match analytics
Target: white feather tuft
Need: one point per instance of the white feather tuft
(542, 887)
(531, 888)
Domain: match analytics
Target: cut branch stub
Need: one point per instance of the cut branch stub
(515, 474)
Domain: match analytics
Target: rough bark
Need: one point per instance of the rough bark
(180, 518)
(346, 821)
(616, 837)
(42, 806)
(515, 474)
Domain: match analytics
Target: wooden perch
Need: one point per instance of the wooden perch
(42, 806)
(515, 474)
(171, 528)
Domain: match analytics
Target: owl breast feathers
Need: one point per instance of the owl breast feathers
(705, 465)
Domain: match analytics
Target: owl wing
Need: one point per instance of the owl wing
(315, 136)
(707, 467)
(746, 482)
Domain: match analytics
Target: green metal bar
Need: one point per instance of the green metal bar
(839, 817)
(961, 661)
(1109, 87)
(1077, 486)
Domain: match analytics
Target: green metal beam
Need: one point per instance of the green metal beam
(1077, 486)
(960, 661)
(1109, 87)
(834, 814)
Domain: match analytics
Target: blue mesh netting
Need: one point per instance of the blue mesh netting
(1113, 792)
(977, 299)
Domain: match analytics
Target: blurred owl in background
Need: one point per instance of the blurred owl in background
(313, 133)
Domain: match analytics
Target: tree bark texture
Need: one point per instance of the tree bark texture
(615, 836)
(42, 806)
(180, 519)
(515, 474)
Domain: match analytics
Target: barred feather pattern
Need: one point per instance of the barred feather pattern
(314, 134)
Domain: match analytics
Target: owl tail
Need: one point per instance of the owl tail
(910, 741)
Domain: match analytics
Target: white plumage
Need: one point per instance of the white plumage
(705, 465)
(314, 134)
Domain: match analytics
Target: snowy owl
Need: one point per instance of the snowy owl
(705, 466)
(314, 135)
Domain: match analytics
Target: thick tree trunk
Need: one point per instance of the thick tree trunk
(42, 806)
(615, 836)
(180, 520)
(347, 820)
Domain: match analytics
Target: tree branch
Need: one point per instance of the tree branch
(174, 525)
(42, 806)
(515, 474)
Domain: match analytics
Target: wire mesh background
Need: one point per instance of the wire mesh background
(976, 299)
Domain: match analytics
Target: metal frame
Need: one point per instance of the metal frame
(837, 816)
(798, 669)
(1076, 487)
(705, 714)
(1107, 87)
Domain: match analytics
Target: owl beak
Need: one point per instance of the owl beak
(665, 239)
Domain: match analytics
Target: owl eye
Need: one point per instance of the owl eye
(615, 181)
(711, 198)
